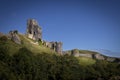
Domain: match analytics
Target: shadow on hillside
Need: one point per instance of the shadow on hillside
(25, 65)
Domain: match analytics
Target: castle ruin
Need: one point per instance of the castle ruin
(34, 32)
(56, 46)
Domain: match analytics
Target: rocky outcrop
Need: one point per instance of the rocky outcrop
(13, 35)
(34, 30)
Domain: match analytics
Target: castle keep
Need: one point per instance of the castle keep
(34, 32)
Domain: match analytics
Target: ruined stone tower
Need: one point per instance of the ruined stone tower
(34, 30)
(59, 47)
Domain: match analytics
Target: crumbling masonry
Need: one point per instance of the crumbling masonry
(34, 32)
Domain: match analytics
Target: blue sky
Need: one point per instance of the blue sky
(82, 24)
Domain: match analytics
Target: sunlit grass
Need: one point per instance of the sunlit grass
(13, 48)
(38, 49)
(86, 61)
(35, 48)
(10, 46)
(87, 52)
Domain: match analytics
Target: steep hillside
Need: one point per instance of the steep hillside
(31, 61)
(85, 57)
(34, 46)
(31, 45)
(37, 48)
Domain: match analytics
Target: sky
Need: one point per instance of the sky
(81, 24)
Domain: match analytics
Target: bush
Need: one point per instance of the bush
(24, 65)
(4, 56)
(40, 42)
(3, 38)
(5, 72)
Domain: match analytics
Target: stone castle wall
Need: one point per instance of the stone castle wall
(34, 32)
(56, 46)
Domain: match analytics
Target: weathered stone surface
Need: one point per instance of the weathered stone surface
(56, 46)
(34, 30)
(75, 52)
(98, 56)
(14, 37)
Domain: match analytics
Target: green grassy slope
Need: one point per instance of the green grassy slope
(28, 61)
(87, 52)
(86, 61)
(12, 47)
(30, 44)
(82, 52)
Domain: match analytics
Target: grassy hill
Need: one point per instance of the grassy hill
(30, 61)
(82, 51)
(12, 47)
(30, 44)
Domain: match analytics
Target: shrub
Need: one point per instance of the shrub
(40, 42)
(3, 38)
